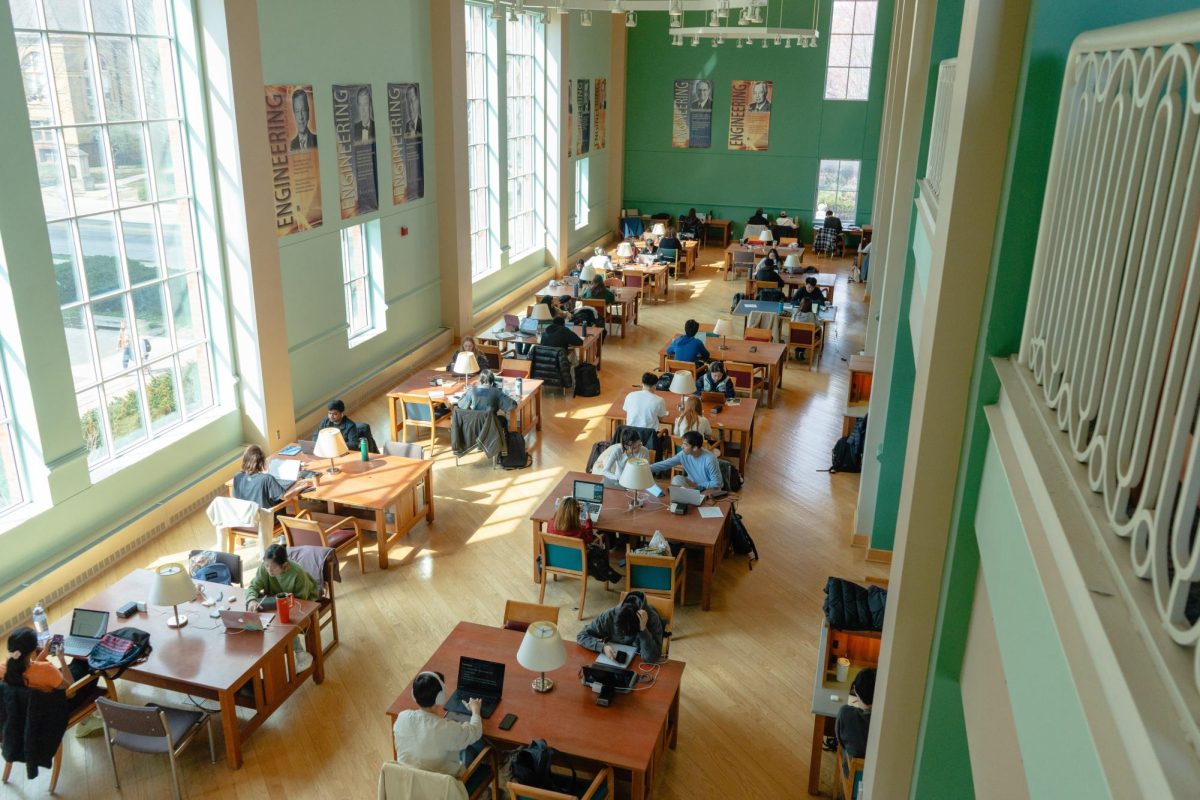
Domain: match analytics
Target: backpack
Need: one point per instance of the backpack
(737, 298)
(739, 537)
(664, 382)
(215, 572)
(515, 456)
(848, 451)
(769, 295)
(587, 382)
(119, 650)
(597, 449)
(531, 766)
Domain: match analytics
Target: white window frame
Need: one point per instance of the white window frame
(11, 482)
(582, 191)
(362, 271)
(482, 128)
(134, 212)
(851, 49)
(524, 68)
(838, 190)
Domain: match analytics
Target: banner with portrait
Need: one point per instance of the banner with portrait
(691, 124)
(583, 115)
(295, 171)
(750, 114)
(600, 109)
(408, 146)
(354, 130)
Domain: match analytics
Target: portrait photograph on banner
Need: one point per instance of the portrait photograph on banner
(750, 115)
(691, 122)
(583, 114)
(354, 127)
(601, 111)
(408, 148)
(295, 171)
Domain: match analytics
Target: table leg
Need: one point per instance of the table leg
(820, 726)
(537, 409)
(429, 494)
(312, 638)
(728, 266)
(706, 593)
(381, 536)
(230, 728)
(673, 720)
(637, 784)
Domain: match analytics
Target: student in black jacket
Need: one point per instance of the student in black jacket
(557, 334)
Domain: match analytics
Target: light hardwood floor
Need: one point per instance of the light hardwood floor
(745, 725)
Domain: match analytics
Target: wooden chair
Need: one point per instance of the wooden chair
(231, 560)
(324, 531)
(635, 279)
(600, 787)
(599, 306)
(665, 608)
(757, 334)
(681, 366)
(419, 411)
(563, 555)
(519, 615)
(614, 280)
(848, 781)
(480, 777)
(671, 256)
(326, 603)
(806, 336)
(784, 241)
(489, 355)
(745, 380)
(515, 367)
(657, 575)
(238, 537)
(742, 260)
(153, 729)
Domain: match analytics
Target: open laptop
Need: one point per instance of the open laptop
(681, 495)
(589, 492)
(477, 678)
(285, 470)
(87, 628)
(712, 398)
(245, 620)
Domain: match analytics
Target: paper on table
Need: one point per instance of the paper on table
(711, 512)
(437, 394)
(628, 649)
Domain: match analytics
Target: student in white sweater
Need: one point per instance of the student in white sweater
(612, 461)
(644, 408)
(693, 420)
(426, 740)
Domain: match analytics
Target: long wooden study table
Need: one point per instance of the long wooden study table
(626, 299)
(525, 417)
(758, 251)
(690, 530)
(767, 355)
(591, 351)
(632, 735)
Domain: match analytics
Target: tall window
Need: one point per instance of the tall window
(523, 45)
(362, 273)
(581, 193)
(851, 42)
(837, 189)
(481, 155)
(10, 476)
(104, 103)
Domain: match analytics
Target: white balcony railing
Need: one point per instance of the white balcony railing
(1111, 336)
(936, 157)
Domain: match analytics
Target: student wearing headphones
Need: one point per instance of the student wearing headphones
(427, 740)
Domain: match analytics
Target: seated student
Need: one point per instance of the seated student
(715, 380)
(566, 522)
(670, 242)
(832, 222)
(644, 408)
(810, 292)
(485, 395)
(257, 485)
(597, 290)
(688, 347)
(336, 418)
(634, 621)
(854, 719)
(277, 575)
(611, 463)
(578, 268)
(700, 470)
(757, 218)
(805, 312)
(424, 739)
(692, 419)
(556, 309)
(599, 260)
(767, 268)
(29, 666)
(557, 334)
(467, 345)
(689, 224)
(784, 221)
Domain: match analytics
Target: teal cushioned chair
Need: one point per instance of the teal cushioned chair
(661, 575)
(849, 777)
(599, 788)
(563, 555)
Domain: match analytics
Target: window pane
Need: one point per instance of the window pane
(847, 175)
(79, 346)
(110, 16)
(166, 146)
(177, 236)
(24, 13)
(33, 72)
(859, 84)
(150, 17)
(158, 77)
(162, 394)
(186, 308)
(141, 245)
(117, 78)
(152, 339)
(66, 266)
(197, 379)
(123, 402)
(64, 15)
(860, 53)
(101, 269)
(94, 437)
(74, 80)
(839, 50)
(843, 17)
(10, 483)
(114, 335)
(835, 83)
(50, 174)
(864, 18)
(129, 164)
(87, 165)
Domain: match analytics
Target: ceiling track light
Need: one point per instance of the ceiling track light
(630, 19)
(676, 22)
(585, 18)
(497, 11)
(695, 41)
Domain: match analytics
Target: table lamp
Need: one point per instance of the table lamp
(330, 444)
(791, 263)
(659, 229)
(625, 250)
(541, 312)
(542, 651)
(587, 273)
(765, 236)
(172, 586)
(637, 476)
(683, 384)
(722, 328)
(466, 364)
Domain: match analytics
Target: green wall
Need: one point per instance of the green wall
(805, 127)
(589, 56)
(319, 43)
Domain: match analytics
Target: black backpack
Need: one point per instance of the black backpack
(769, 295)
(515, 456)
(119, 650)
(848, 451)
(737, 298)
(664, 382)
(587, 382)
(739, 537)
(531, 766)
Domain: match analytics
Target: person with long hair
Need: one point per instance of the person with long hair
(467, 345)
(29, 666)
(692, 419)
(566, 522)
(257, 485)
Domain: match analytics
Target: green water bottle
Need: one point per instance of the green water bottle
(362, 448)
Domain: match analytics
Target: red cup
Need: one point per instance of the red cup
(283, 607)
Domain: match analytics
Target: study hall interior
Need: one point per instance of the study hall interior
(750, 398)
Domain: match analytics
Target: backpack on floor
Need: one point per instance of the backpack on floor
(737, 298)
(739, 537)
(515, 456)
(848, 451)
(597, 450)
(531, 766)
(587, 382)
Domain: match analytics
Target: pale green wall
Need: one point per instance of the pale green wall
(589, 56)
(375, 42)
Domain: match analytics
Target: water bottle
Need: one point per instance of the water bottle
(520, 388)
(40, 624)
(362, 448)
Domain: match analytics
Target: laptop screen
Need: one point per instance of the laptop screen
(92, 624)
(589, 492)
(477, 675)
(511, 321)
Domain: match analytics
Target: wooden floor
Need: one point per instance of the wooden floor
(745, 725)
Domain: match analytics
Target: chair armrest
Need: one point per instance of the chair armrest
(604, 776)
(484, 754)
(303, 513)
(83, 682)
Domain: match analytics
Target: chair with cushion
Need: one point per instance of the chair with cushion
(519, 615)
(848, 782)
(635, 280)
(231, 560)
(404, 450)
(659, 575)
(757, 335)
(515, 367)
(563, 555)
(489, 355)
(419, 411)
(324, 530)
(745, 380)
(806, 336)
(600, 787)
(321, 564)
(742, 260)
(153, 729)
(670, 257)
(476, 429)
(674, 366)
(665, 608)
(825, 241)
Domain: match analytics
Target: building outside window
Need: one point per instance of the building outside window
(10, 470)
(851, 44)
(524, 50)
(837, 190)
(481, 147)
(362, 273)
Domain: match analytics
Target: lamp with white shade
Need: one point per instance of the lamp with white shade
(587, 273)
(465, 364)
(765, 236)
(172, 586)
(659, 229)
(723, 328)
(791, 262)
(542, 651)
(683, 384)
(637, 477)
(330, 444)
(625, 250)
(541, 312)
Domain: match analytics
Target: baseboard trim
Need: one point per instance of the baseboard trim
(879, 556)
(860, 540)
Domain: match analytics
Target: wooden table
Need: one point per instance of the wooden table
(632, 735)
(826, 315)
(525, 417)
(738, 420)
(626, 299)
(826, 281)
(690, 530)
(590, 351)
(688, 257)
(768, 355)
(758, 251)
(201, 660)
(655, 277)
(829, 694)
(723, 224)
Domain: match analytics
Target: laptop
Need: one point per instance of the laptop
(712, 398)
(245, 620)
(477, 678)
(285, 470)
(87, 628)
(511, 322)
(588, 492)
(681, 495)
